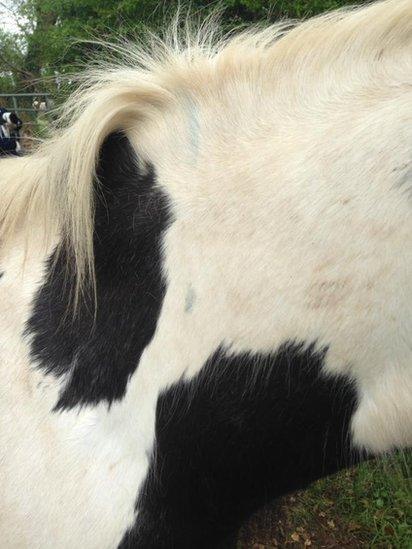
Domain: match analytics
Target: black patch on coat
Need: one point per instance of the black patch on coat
(1, 273)
(245, 430)
(130, 218)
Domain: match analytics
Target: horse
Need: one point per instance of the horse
(10, 126)
(206, 283)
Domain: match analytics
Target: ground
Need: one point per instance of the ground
(369, 506)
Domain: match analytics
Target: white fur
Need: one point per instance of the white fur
(289, 178)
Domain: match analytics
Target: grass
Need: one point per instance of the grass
(368, 506)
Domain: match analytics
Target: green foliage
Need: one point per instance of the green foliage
(11, 61)
(53, 33)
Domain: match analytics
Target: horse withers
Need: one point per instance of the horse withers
(206, 284)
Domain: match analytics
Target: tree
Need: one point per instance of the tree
(49, 30)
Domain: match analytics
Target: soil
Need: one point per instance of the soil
(275, 527)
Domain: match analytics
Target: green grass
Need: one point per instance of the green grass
(371, 504)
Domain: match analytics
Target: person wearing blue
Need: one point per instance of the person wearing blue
(10, 125)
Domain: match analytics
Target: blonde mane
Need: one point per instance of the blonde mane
(323, 54)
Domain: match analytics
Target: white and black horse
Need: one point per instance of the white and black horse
(10, 126)
(206, 285)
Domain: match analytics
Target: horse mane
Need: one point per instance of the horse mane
(56, 181)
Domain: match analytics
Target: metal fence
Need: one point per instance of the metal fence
(14, 98)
